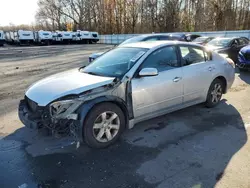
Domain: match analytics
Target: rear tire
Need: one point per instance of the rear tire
(214, 93)
(104, 125)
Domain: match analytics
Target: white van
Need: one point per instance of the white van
(43, 37)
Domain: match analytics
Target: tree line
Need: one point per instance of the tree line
(143, 16)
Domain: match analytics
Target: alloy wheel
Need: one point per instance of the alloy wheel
(216, 93)
(106, 126)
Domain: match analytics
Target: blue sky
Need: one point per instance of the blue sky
(17, 11)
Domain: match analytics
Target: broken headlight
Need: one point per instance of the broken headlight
(64, 109)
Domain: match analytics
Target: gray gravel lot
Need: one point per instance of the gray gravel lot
(191, 148)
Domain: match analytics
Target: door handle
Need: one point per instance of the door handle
(176, 79)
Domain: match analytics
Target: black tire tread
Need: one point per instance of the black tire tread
(95, 111)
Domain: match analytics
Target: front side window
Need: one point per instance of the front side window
(235, 43)
(116, 62)
(162, 59)
(191, 55)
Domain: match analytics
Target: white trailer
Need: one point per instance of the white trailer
(76, 37)
(94, 37)
(20, 37)
(64, 37)
(84, 37)
(43, 37)
(2, 38)
(9, 37)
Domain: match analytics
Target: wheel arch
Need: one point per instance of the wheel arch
(86, 107)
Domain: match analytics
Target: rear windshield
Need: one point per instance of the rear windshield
(221, 42)
(133, 39)
(45, 34)
(200, 39)
(26, 35)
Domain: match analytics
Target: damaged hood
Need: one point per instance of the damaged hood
(66, 83)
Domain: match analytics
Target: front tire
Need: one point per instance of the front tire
(103, 125)
(214, 93)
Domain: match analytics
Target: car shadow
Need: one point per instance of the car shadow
(189, 147)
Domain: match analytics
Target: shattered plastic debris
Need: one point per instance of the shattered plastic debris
(77, 145)
(23, 186)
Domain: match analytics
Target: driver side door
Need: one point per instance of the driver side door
(155, 95)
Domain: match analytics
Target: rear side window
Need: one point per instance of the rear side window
(192, 55)
(243, 41)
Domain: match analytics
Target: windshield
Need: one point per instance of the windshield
(219, 42)
(45, 34)
(132, 40)
(116, 62)
(200, 39)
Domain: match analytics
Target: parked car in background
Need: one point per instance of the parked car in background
(202, 40)
(228, 46)
(129, 84)
(244, 58)
(139, 38)
(184, 37)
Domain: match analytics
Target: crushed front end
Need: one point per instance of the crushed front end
(57, 118)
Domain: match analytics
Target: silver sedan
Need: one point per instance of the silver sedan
(126, 85)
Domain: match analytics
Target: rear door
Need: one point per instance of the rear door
(198, 72)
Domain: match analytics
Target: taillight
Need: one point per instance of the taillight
(231, 62)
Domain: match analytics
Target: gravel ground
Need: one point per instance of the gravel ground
(194, 147)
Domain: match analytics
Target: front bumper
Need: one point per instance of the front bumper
(34, 120)
(26, 117)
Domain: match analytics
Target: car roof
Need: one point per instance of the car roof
(231, 38)
(151, 35)
(153, 44)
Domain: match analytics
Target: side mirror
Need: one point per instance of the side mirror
(148, 72)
